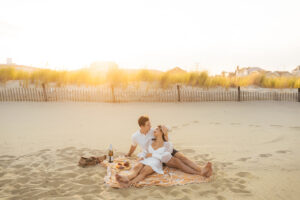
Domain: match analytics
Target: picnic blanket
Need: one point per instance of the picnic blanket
(170, 177)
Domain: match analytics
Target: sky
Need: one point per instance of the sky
(213, 35)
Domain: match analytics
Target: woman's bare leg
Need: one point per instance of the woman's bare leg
(134, 172)
(177, 163)
(187, 161)
(147, 170)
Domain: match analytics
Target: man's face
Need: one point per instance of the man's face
(147, 126)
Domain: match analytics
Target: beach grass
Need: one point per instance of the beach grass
(122, 77)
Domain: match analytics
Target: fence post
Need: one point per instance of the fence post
(178, 92)
(298, 94)
(113, 94)
(44, 90)
(239, 93)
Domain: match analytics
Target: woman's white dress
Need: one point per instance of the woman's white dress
(159, 156)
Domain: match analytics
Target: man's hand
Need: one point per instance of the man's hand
(140, 159)
(149, 155)
(131, 150)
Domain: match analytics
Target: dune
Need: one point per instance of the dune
(254, 148)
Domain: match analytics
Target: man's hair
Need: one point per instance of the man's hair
(142, 120)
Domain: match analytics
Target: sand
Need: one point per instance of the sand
(254, 148)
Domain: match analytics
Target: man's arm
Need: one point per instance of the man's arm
(131, 150)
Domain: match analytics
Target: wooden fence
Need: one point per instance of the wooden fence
(177, 94)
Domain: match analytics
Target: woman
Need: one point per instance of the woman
(159, 151)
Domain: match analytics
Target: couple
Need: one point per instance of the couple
(157, 151)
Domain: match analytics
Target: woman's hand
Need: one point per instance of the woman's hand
(149, 155)
(165, 131)
(140, 159)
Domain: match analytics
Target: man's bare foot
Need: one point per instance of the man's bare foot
(120, 178)
(207, 170)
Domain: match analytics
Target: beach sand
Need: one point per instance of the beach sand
(254, 148)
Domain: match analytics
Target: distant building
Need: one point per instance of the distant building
(176, 70)
(247, 71)
(283, 73)
(227, 74)
(241, 72)
(271, 74)
(296, 69)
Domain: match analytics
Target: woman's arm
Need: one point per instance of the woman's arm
(168, 146)
(165, 130)
(166, 154)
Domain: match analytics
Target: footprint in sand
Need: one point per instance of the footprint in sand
(6, 157)
(244, 159)
(186, 190)
(175, 192)
(240, 186)
(201, 157)
(196, 121)
(220, 197)
(225, 164)
(207, 192)
(296, 128)
(141, 197)
(265, 155)
(195, 186)
(235, 123)
(72, 167)
(254, 125)
(237, 190)
(276, 125)
(244, 174)
(275, 140)
(233, 184)
(242, 181)
(215, 123)
(283, 151)
(2, 174)
(197, 157)
(186, 124)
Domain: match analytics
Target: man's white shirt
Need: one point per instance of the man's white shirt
(143, 140)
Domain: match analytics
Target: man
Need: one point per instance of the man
(143, 138)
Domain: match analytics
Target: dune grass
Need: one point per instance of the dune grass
(120, 77)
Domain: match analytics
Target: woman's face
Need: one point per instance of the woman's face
(157, 132)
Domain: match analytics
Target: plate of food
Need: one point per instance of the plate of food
(123, 165)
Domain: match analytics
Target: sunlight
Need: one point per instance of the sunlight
(160, 35)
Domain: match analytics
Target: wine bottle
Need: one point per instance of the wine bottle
(110, 154)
